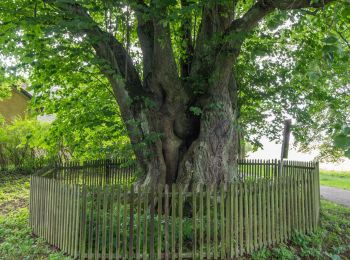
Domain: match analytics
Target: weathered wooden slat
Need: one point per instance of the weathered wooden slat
(105, 212)
(222, 222)
(201, 224)
(215, 222)
(110, 222)
(131, 224)
(241, 218)
(151, 225)
(180, 222)
(159, 221)
(246, 217)
(194, 223)
(261, 213)
(236, 218)
(139, 227)
(98, 222)
(166, 222)
(125, 221)
(76, 219)
(145, 226)
(208, 222)
(83, 222)
(255, 215)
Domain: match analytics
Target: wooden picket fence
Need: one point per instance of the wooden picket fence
(266, 206)
(96, 172)
(27, 166)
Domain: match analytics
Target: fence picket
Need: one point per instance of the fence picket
(194, 219)
(241, 219)
(125, 221)
(215, 222)
(159, 221)
(208, 222)
(222, 222)
(131, 225)
(180, 222)
(151, 226)
(201, 224)
(145, 229)
(139, 227)
(166, 223)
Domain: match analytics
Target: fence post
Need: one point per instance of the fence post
(317, 189)
(108, 170)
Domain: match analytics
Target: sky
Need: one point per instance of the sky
(272, 150)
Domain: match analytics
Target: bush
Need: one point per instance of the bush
(23, 145)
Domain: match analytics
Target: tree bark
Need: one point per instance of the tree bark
(171, 144)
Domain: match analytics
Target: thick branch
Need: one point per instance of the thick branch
(118, 68)
(216, 18)
(263, 7)
(164, 71)
(159, 65)
(187, 53)
(145, 33)
(107, 47)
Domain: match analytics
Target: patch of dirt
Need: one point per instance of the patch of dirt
(11, 205)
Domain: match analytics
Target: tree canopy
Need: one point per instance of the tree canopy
(284, 59)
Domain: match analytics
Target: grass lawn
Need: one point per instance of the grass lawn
(16, 241)
(331, 241)
(335, 179)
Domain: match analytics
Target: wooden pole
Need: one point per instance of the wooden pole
(286, 137)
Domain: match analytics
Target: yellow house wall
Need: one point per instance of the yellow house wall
(15, 106)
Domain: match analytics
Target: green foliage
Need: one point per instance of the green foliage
(330, 241)
(87, 122)
(295, 64)
(342, 140)
(5, 92)
(196, 111)
(16, 241)
(22, 143)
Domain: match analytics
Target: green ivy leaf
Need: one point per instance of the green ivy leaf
(196, 111)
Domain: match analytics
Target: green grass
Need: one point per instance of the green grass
(16, 241)
(335, 179)
(330, 241)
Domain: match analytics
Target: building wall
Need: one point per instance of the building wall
(15, 106)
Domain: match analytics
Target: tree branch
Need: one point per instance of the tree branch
(343, 38)
(216, 18)
(107, 47)
(263, 7)
(119, 70)
(240, 27)
(145, 33)
(185, 30)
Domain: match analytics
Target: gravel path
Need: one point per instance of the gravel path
(336, 195)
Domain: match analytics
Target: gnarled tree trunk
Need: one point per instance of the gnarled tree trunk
(172, 145)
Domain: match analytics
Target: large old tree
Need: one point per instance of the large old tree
(176, 69)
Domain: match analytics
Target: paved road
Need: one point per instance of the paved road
(336, 195)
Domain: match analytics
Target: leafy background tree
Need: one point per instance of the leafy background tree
(22, 143)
